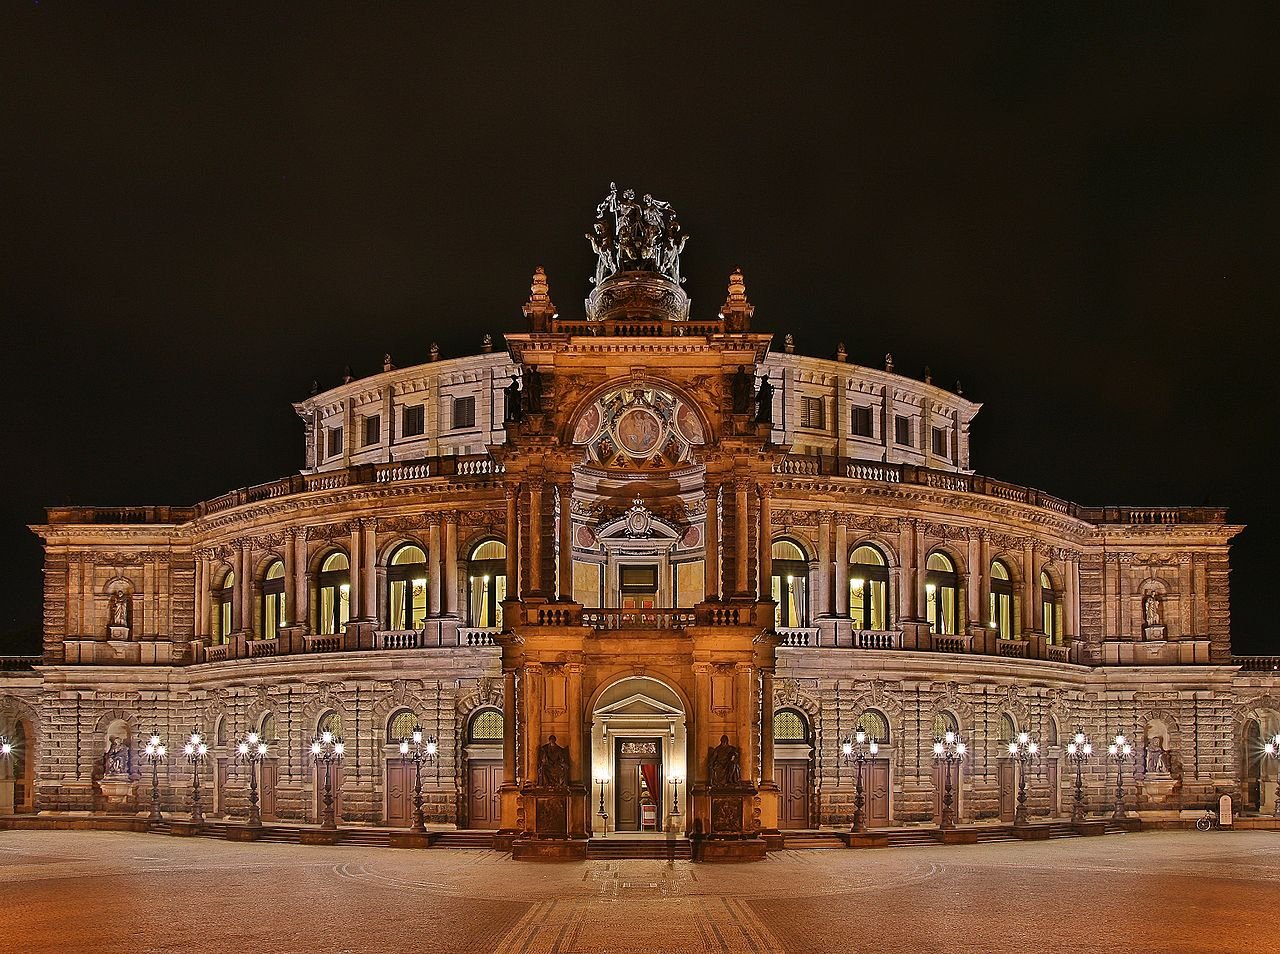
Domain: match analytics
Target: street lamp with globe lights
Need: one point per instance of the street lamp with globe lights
(154, 752)
(419, 748)
(602, 781)
(1022, 750)
(1120, 751)
(1079, 751)
(327, 749)
(1272, 749)
(948, 750)
(251, 750)
(196, 751)
(676, 782)
(856, 750)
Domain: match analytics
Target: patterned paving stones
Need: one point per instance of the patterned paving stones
(1166, 891)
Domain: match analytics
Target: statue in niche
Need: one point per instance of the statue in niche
(1152, 611)
(115, 761)
(764, 402)
(512, 412)
(725, 764)
(742, 391)
(533, 390)
(553, 765)
(1156, 757)
(120, 609)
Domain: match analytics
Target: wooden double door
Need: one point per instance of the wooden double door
(792, 779)
(638, 798)
(484, 793)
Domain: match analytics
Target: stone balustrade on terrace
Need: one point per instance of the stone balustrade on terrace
(482, 466)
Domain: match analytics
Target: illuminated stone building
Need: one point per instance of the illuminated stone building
(696, 560)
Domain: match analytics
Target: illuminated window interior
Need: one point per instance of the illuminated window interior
(407, 588)
(273, 601)
(487, 584)
(1001, 606)
(941, 593)
(334, 593)
(790, 585)
(869, 588)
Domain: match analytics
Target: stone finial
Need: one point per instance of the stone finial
(736, 311)
(435, 351)
(386, 363)
(315, 387)
(789, 343)
(347, 376)
(486, 344)
(888, 362)
(959, 389)
(928, 375)
(842, 353)
(539, 309)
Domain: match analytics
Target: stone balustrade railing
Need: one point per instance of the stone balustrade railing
(19, 663)
(217, 653)
(1257, 663)
(876, 639)
(1010, 648)
(611, 619)
(951, 644)
(799, 636)
(321, 643)
(259, 648)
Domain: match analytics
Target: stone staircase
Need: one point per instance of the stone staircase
(911, 837)
(811, 839)
(664, 849)
(463, 838)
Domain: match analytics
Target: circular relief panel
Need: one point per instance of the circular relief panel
(638, 432)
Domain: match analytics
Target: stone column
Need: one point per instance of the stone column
(532, 708)
(746, 705)
(841, 562)
(909, 597)
(742, 534)
(822, 588)
(973, 584)
(766, 544)
(369, 570)
(984, 582)
(579, 774)
(244, 589)
(1030, 587)
(534, 523)
(508, 727)
(450, 559)
(513, 541)
(711, 541)
(701, 713)
(766, 726)
(299, 613)
(564, 568)
(433, 566)
(356, 561)
(1070, 601)
(204, 597)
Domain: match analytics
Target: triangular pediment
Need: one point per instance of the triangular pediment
(638, 705)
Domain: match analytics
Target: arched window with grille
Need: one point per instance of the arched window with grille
(486, 584)
(486, 727)
(874, 723)
(225, 600)
(407, 588)
(943, 723)
(790, 727)
(941, 593)
(869, 588)
(790, 585)
(401, 726)
(273, 605)
(333, 593)
(331, 721)
(1001, 616)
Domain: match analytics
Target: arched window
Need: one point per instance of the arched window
(331, 721)
(1053, 731)
(1001, 619)
(941, 593)
(267, 729)
(401, 726)
(487, 584)
(486, 727)
(868, 588)
(790, 727)
(790, 585)
(273, 616)
(876, 726)
(225, 599)
(1008, 730)
(943, 723)
(407, 588)
(334, 593)
(220, 731)
(1049, 607)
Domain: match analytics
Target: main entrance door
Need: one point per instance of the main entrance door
(877, 793)
(638, 802)
(484, 793)
(792, 777)
(400, 780)
(1008, 792)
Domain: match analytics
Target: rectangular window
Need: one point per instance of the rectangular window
(940, 448)
(372, 429)
(464, 412)
(414, 421)
(811, 412)
(335, 441)
(902, 430)
(860, 421)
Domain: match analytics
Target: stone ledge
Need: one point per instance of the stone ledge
(244, 832)
(957, 836)
(864, 839)
(1091, 827)
(319, 836)
(549, 849)
(1031, 832)
(409, 839)
(744, 849)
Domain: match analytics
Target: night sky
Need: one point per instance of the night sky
(1071, 208)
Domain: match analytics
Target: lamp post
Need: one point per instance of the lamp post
(676, 782)
(154, 753)
(1022, 750)
(326, 749)
(196, 752)
(948, 750)
(420, 748)
(856, 750)
(1120, 751)
(604, 816)
(1079, 751)
(1272, 749)
(250, 751)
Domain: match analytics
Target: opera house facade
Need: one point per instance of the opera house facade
(641, 570)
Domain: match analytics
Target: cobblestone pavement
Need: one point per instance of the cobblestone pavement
(114, 892)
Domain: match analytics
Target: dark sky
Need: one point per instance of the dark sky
(1071, 208)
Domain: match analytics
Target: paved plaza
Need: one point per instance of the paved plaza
(114, 892)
